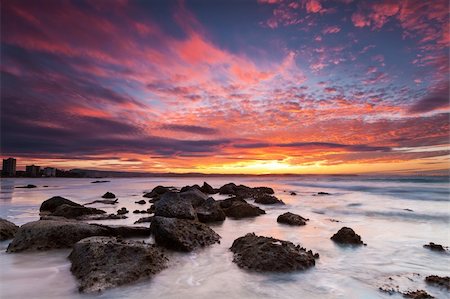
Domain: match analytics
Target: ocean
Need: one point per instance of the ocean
(395, 216)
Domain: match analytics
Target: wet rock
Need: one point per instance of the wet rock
(188, 188)
(240, 209)
(323, 193)
(122, 211)
(291, 219)
(100, 263)
(347, 235)
(408, 210)
(267, 199)
(29, 186)
(99, 182)
(244, 191)
(103, 201)
(265, 190)
(51, 204)
(443, 282)
(151, 209)
(7, 229)
(264, 254)
(210, 211)
(207, 189)
(172, 206)
(228, 189)
(54, 234)
(228, 202)
(182, 234)
(100, 217)
(434, 247)
(140, 212)
(109, 195)
(293, 193)
(195, 196)
(144, 220)
(69, 211)
(418, 294)
(158, 191)
(141, 202)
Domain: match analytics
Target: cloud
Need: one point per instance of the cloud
(439, 99)
(190, 129)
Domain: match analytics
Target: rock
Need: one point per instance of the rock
(7, 229)
(347, 235)
(144, 220)
(291, 219)
(54, 234)
(172, 206)
(99, 217)
(122, 211)
(151, 209)
(210, 211)
(182, 234)
(69, 211)
(228, 202)
(323, 193)
(244, 191)
(228, 189)
(100, 263)
(109, 195)
(443, 282)
(188, 188)
(195, 196)
(51, 204)
(264, 190)
(99, 182)
(267, 199)
(293, 193)
(418, 294)
(141, 202)
(29, 186)
(158, 191)
(434, 247)
(240, 209)
(140, 212)
(264, 254)
(207, 189)
(104, 201)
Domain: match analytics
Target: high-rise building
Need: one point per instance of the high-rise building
(49, 171)
(33, 170)
(9, 167)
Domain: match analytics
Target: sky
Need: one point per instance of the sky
(263, 86)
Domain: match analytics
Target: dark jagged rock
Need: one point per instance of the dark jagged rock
(100, 263)
(7, 229)
(293, 193)
(195, 196)
(435, 247)
(141, 202)
(29, 186)
(291, 219)
(158, 191)
(55, 234)
(210, 211)
(187, 188)
(443, 282)
(228, 202)
(267, 199)
(347, 235)
(239, 209)
(207, 189)
(109, 195)
(51, 204)
(263, 190)
(122, 211)
(99, 182)
(264, 254)
(103, 201)
(182, 234)
(229, 189)
(144, 220)
(418, 294)
(69, 211)
(172, 206)
(244, 191)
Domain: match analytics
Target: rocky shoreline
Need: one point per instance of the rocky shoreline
(103, 256)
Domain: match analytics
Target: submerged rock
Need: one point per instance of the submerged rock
(122, 211)
(293, 193)
(418, 294)
(144, 220)
(443, 282)
(265, 254)
(29, 186)
(158, 191)
(239, 209)
(100, 217)
(103, 201)
(435, 247)
(109, 195)
(141, 202)
(172, 206)
(7, 229)
(267, 199)
(99, 182)
(100, 263)
(210, 211)
(347, 235)
(323, 193)
(182, 234)
(51, 204)
(291, 219)
(69, 211)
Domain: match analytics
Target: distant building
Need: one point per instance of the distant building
(49, 171)
(9, 167)
(33, 170)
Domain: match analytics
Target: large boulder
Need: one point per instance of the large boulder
(265, 254)
(7, 229)
(54, 234)
(244, 191)
(210, 211)
(187, 188)
(109, 195)
(157, 192)
(51, 204)
(239, 209)
(228, 189)
(195, 196)
(291, 219)
(228, 202)
(181, 234)
(100, 263)
(346, 235)
(69, 211)
(207, 189)
(267, 199)
(172, 206)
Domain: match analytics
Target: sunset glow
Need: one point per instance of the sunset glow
(258, 87)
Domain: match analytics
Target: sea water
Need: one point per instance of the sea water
(395, 216)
